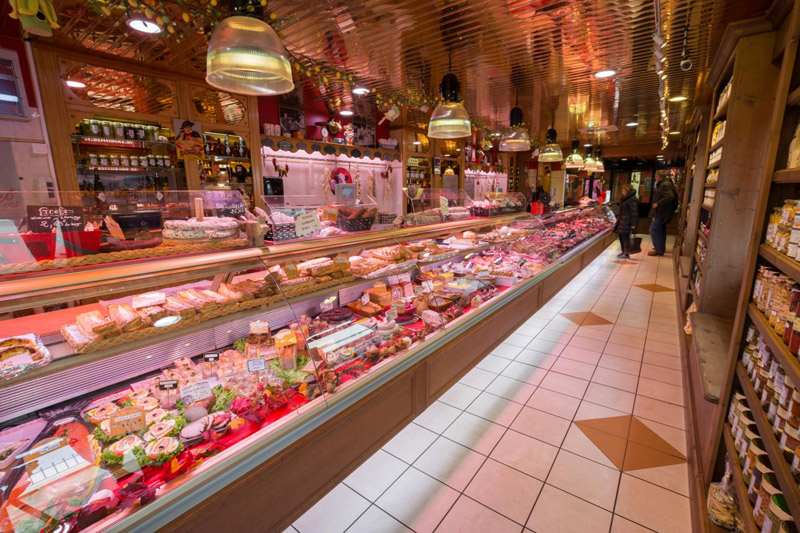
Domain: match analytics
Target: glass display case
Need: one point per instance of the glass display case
(498, 203)
(132, 385)
(430, 206)
(226, 164)
(54, 231)
(310, 216)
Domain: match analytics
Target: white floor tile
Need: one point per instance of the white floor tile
(409, 444)
(334, 513)
(376, 475)
(418, 501)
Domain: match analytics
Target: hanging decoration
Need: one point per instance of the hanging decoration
(357, 180)
(282, 172)
(38, 17)
(387, 178)
(371, 183)
(407, 98)
(324, 182)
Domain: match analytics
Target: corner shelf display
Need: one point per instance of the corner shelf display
(226, 165)
(419, 176)
(44, 232)
(304, 217)
(112, 155)
(132, 387)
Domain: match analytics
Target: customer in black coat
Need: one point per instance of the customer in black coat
(665, 202)
(627, 219)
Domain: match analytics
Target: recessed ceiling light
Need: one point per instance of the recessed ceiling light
(678, 99)
(604, 73)
(360, 90)
(346, 112)
(624, 159)
(674, 133)
(144, 26)
(75, 84)
(587, 145)
(416, 143)
(632, 124)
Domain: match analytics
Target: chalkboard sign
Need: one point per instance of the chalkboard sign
(44, 218)
(233, 209)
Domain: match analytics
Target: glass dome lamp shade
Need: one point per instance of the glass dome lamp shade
(598, 162)
(518, 139)
(551, 153)
(574, 160)
(450, 119)
(246, 56)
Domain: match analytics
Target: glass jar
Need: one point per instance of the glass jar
(119, 130)
(94, 160)
(141, 132)
(124, 161)
(113, 160)
(769, 488)
(777, 514)
(107, 132)
(134, 159)
(104, 160)
(94, 128)
(153, 160)
(130, 132)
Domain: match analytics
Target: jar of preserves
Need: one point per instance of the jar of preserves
(113, 160)
(105, 128)
(104, 160)
(124, 161)
(119, 130)
(94, 160)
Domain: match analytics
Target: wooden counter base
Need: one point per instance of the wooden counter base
(272, 496)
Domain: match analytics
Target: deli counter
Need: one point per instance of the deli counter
(198, 386)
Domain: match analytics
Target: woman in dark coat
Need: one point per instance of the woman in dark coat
(627, 219)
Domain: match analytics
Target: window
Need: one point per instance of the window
(10, 99)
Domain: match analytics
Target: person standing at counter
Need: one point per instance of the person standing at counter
(665, 201)
(627, 219)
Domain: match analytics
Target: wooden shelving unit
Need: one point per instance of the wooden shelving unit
(702, 236)
(787, 360)
(790, 267)
(776, 459)
(738, 483)
(789, 175)
(699, 263)
(709, 208)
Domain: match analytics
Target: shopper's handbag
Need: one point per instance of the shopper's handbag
(636, 244)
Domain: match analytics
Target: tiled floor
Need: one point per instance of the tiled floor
(574, 423)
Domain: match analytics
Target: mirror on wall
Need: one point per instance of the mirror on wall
(217, 106)
(117, 89)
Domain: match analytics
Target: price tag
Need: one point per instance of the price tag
(342, 262)
(405, 277)
(196, 392)
(168, 384)
(397, 293)
(418, 290)
(394, 280)
(113, 228)
(102, 197)
(365, 298)
(522, 261)
(306, 224)
(159, 196)
(391, 314)
(444, 206)
(50, 458)
(126, 420)
(291, 270)
(379, 286)
(327, 304)
(258, 364)
(211, 357)
(285, 337)
(408, 289)
(330, 214)
(498, 260)
(399, 307)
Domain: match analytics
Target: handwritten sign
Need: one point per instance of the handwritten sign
(196, 392)
(444, 206)
(306, 224)
(327, 304)
(397, 293)
(391, 314)
(231, 209)
(126, 420)
(44, 218)
(258, 364)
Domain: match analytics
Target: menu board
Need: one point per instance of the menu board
(44, 218)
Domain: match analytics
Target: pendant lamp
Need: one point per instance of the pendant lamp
(598, 161)
(246, 56)
(551, 153)
(574, 160)
(589, 164)
(450, 119)
(518, 139)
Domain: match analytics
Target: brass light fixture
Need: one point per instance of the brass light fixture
(552, 150)
(450, 119)
(518, 139)
(574, 160)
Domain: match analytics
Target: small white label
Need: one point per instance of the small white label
(391, 314)
(365, 298)
(258, 364)
(159, 196)
(444, 206)
(196, 392)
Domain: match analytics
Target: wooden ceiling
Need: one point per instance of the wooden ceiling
(546, 51)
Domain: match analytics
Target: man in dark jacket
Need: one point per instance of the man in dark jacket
(665, 201)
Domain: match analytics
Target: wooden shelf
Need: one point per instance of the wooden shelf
(711, 335)
(709, 208)
(788, 266)
(722, 111)
(715, 164)
(715, 145)
(685, 263)
(776, 459)
(738, 482)
(794, 98)
(710, 185)
(702, 236)
(789, 175)
(699, 262)
(789, 362)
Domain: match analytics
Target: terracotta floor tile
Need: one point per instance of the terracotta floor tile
(626, 340)
(639, 333)
(660, 391)
(585, 343)
(673, 477)
(540, 425)
(618, 426)
(665, 413)
(628, 352)
(641, 433)
(663, 347)
(654, 287)
(669, 338)
(597, 334)
(619, 364)
(554, 403)
(554, 505)
(652, 506)
(586, 479)
(608, 450)
(469, 515)
(660, 359)
(612, 446)
(676, 437)
(662, 374)
(639, 456)
(623, 525)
